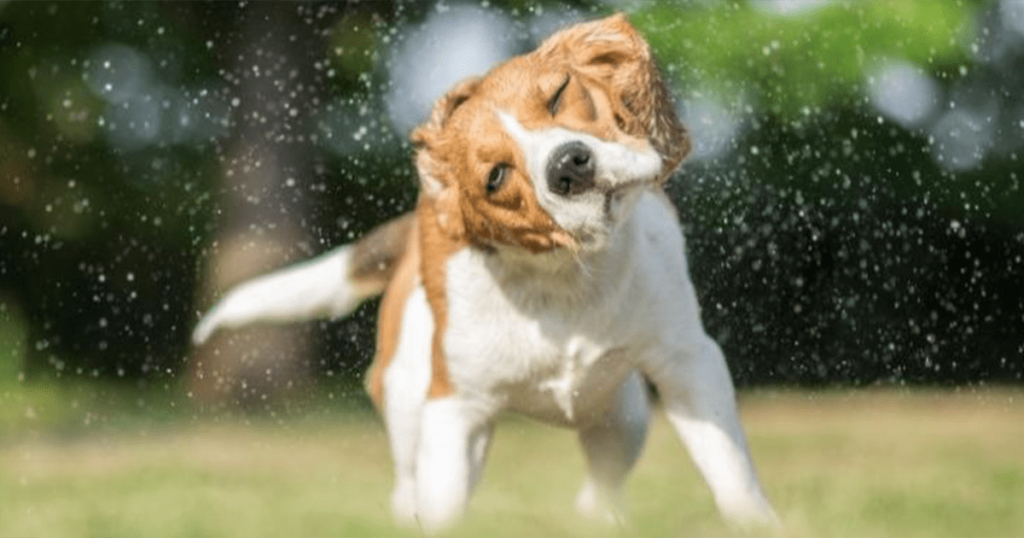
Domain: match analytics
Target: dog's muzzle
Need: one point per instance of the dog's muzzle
(571, 169)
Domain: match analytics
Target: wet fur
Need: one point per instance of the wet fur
(523, 299)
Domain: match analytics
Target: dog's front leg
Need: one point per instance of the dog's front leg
(696, 389)
(454, 438)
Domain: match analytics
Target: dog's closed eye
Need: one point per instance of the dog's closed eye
(556, 99)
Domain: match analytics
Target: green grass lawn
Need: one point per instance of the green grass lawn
(866, 463)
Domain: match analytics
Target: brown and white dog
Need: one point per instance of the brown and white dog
(542, 272)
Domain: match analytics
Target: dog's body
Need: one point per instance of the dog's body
(543, 272)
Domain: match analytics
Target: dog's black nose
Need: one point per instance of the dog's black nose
(571, 169)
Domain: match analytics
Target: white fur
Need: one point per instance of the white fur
(564, 337)
(453, 446)
(612, 446)
(405, 390)
(438, 448)
(314, 288)
(587, 214)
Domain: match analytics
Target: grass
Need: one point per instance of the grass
(861, 463)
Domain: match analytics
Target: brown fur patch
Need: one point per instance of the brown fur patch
(611, 51)
(611, 89)
(392, 306)
(429, 246)
(437, 248)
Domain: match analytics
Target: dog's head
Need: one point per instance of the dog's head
(549, 149)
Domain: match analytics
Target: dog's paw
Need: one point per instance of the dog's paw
(403, 505)
(600, 507)
(754, 515)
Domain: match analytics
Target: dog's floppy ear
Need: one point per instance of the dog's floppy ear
(434, 173)
(610, 50)
(427, 137)
(426, 134)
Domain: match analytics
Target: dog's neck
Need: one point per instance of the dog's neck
(560, 275)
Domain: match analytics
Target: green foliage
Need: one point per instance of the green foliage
(352, 46)
(828, 242)
(801, 63)
(13, 341)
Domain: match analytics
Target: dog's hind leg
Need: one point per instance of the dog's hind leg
(612, 446)
(479, 447)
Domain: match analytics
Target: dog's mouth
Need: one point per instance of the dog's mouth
(619, 191)
(617, 195)
(593, 235)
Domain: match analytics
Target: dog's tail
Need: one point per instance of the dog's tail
(330, 285)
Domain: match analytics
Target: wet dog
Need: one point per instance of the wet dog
(542, 272)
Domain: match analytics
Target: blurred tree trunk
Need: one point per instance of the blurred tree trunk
(268, 57)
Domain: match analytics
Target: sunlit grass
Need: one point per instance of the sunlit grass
(869, 463)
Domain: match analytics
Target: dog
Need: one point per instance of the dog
(542, 272)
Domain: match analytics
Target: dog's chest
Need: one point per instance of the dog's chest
(528, 351)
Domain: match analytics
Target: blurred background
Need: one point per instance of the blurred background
(853, 204)
(853, 210)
